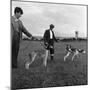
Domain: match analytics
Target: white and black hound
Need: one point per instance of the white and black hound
(74, 51)
(42, 53)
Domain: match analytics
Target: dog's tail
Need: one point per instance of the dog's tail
(81, 51)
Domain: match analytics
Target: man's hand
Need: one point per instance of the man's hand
(33, 38)
(46, 43)
(58, 40)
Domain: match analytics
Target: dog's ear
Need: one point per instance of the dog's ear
(71, 46)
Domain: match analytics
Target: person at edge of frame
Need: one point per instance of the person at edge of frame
(17, 28)
(49, 39)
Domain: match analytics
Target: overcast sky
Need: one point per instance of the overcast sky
(67, 18)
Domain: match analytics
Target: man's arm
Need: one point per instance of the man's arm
(54, 37)
(45, 37)
(26, 32)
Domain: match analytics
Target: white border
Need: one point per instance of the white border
(5, 43)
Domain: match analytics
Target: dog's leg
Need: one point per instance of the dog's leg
(66, 56)
(77, 54)
(33, 58)
(73, 56)
(27, 65)
(27, 62)
(45, 59)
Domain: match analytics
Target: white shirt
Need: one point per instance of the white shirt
(51, 35)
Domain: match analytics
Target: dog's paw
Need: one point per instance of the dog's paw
(64, 59)
(26, 65)
(72, 59)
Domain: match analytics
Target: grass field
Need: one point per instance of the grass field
(56, 74)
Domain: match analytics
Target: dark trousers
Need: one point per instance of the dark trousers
(52, 53)
(50, 47)
(15, 50)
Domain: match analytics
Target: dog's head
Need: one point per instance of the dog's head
(68, 46)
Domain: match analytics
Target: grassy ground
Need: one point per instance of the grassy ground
(56, 74)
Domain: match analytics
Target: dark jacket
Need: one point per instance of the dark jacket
(46, 37)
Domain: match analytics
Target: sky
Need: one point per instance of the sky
(67, 18)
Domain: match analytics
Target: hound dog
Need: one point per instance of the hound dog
(74, 51)
(42, 53)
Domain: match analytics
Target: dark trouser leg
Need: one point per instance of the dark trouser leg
(52, 57)
(51, 48)
(15, 49)
(52, 53)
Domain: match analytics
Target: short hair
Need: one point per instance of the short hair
(51, 26)
(17, 10)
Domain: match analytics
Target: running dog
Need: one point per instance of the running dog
(42, 53)
(74, 51)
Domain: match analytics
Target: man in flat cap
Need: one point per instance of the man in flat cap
(17, 28)
(49, 39)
